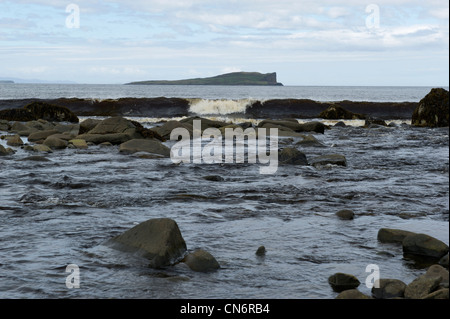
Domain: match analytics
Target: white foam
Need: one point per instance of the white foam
(219, 107)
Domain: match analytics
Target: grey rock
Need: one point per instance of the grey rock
(330, 159)
(201, 261)
(340, 282)
(159, 240)
(424, 245)
(148, 145)
(388, 288)
(389, 235)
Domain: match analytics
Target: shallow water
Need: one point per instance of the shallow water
(57, 213)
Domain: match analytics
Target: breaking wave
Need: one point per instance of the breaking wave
(219, 107)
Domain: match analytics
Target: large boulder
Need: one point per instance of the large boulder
(422, 286)
(390, 235)
(335, 112)
(159, 240)
(201, 261)
(114, 125)
(433, 109)
(87, 125)
(352, 294)
(148, 145)
(114, 138)
(424, 245)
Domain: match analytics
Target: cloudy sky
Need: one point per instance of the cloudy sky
(321, 42)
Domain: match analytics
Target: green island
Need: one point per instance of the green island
(234, 78)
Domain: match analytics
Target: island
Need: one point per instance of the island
(6, 82)
(234, 78)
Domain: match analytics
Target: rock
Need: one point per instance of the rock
(20, 115)
(261, 251)
(167, 128)
(438, 294)
(330, 159)
(79, 144)
(114, 138)
(140, 145)
(87, 125)
(52, 113)
(206, 123)
(22, 129)
(55, 143)
(146, 133)
(352, 294)
(312, 127)
(444, 261)
(345, 214)
(5, 151)
(4, 125)
(340, 124)
(292, 156)
(201, 261)
(422, 286)
(295, 126)
(309, 140)
(14, 141)
(438, 271)
(42, 148)
(424, 245)
(213, 178)
(114, 125)
(35, 159)
(388, 288)
(388, 235)
(105, 144)
(66, 137)
(340, 282)
(374, 121)
(159, 240)
(69, 129)
(433, 109)
(41, 135)
(335, 112)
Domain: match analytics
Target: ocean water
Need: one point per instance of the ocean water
(61, 212)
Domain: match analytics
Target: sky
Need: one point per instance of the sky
(321, 42)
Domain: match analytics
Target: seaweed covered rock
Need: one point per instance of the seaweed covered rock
(52, 113)
(335, 112)
(433, 109)
(39, 110)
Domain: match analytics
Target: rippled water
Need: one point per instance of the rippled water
(60, 212)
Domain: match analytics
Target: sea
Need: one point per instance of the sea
(56, 216)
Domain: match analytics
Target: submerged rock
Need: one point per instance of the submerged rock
(201, 261)
(159, 240)
(345, 214)
(140, 145)
(433, 109)
(330, 159)
(261, 251)
(55, 143)
(52, 113)
(292, 156)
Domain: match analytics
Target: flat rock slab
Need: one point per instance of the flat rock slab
(148, 145)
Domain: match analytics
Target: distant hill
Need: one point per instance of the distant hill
(235, 78)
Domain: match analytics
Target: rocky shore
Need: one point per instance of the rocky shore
(51, 128)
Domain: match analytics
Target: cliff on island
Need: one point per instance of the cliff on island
(235, 78)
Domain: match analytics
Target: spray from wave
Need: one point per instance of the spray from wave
(219, 107)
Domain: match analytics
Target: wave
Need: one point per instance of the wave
(219, 107)
(163, 107)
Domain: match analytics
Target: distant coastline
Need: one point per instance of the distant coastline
(234, 78)
(6, 82)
